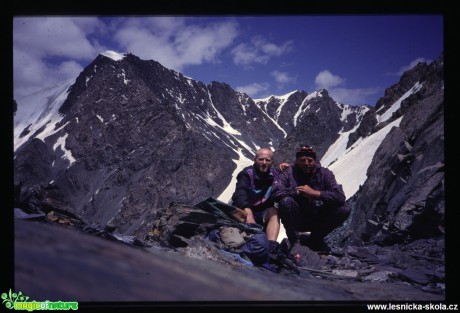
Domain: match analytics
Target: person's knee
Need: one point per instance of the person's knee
(345, 211)
(271, 215)
(285, 203)
(272, 212)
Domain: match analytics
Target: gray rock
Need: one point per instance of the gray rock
(55, 263)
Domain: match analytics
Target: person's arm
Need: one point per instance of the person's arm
(283, 166)
(332, 192)
(240, 196)
(307, 191)
(285, 185)
(249, 217)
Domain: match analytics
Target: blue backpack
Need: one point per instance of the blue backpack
(256, 249)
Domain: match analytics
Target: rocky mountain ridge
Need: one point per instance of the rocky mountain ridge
(133, 137)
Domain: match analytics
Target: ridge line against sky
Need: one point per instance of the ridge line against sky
(354, 57)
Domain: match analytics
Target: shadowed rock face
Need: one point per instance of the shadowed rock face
(403, 198)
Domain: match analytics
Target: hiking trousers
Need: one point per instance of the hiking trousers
(301, 214)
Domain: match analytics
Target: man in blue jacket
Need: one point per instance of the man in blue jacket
(253, 193)
(310, 200)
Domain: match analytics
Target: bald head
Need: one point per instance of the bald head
(263, 159)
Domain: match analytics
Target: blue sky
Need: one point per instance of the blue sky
(354, 57)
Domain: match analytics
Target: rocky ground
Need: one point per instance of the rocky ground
(57, 262)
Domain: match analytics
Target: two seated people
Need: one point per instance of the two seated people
(304, 196)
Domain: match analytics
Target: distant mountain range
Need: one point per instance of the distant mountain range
(129, 137)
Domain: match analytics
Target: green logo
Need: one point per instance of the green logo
(19, 301)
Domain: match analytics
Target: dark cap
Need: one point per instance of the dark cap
(306, 150)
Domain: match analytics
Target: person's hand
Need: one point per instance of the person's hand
(283, 166)
(239, 215)
(249, 217)
(307, 191)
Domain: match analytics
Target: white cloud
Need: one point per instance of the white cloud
(245, 54)
(174, 43)
(254, 90)
(326, 80)
(68, 69)
(56, 36)
(282, 77)
(411, 65)
(271, 49)
(259, 51)
(43, 45)
(47, 49)
(334, 85)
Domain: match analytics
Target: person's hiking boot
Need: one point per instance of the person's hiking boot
(285, 245)
(274, 247)
(280, 255)
(303, 239)
(317, 244)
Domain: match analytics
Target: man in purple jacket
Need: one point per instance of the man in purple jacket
(310, 200)
(253, 193)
